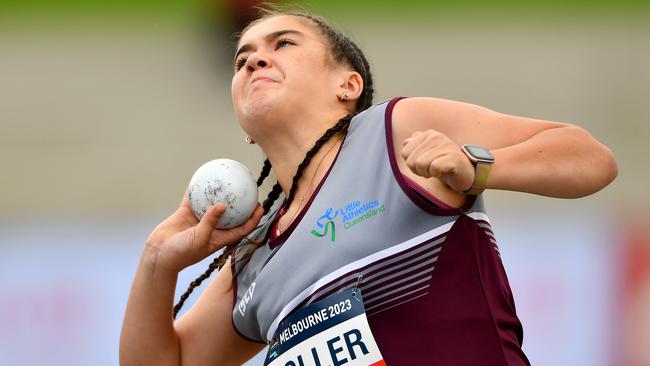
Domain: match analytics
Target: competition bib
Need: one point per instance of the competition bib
(333, 331)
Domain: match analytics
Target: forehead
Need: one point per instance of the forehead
(276, 23)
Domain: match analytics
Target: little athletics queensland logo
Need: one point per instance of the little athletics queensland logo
(351, 214)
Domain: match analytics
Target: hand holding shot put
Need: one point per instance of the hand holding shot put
(182, 240)
(219, 207)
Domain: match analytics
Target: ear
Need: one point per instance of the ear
(351, 84)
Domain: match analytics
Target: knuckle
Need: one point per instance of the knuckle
(422, 162)
(436, 136)
(411, 163)
(449, 166)
(433, 166)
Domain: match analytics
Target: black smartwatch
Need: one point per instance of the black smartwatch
(482, 160)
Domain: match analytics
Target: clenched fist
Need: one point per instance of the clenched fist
(432, 154)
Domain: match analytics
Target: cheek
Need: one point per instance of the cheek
(233, 84)
(236, 86)
(313, 75)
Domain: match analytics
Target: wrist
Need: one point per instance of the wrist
(153, 259)
(482, 160)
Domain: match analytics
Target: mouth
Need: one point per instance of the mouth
(262, 79)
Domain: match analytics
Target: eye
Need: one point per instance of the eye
(283, 42)
(240, 63)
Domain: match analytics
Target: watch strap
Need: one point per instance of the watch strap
(482, 160)
(481, 172)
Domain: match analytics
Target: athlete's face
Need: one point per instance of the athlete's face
(281, 64)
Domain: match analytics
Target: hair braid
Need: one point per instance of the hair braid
(339, 126)
(275, 191)
(195, 284)
(266, 169)
(270, 199)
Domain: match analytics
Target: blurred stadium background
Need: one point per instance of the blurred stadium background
(107, 108)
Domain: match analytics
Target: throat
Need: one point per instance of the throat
(308, 184)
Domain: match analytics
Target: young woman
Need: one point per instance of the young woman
(383, 199)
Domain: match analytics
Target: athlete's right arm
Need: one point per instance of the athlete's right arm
(206, 332)
(205, 335)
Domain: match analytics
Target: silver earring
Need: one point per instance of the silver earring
(249, 140)
(344, 96)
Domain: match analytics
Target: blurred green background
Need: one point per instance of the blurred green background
(107, 108)
(171, 6)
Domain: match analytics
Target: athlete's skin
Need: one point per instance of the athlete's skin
(268, 91)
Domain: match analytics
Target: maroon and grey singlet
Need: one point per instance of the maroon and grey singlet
(434, 287)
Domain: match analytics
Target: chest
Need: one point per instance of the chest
(362, 229)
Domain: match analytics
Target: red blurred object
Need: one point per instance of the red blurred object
(636, 295)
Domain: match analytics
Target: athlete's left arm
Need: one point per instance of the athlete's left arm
(531, 155)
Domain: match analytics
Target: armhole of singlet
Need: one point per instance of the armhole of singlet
(424, 194)
(234, 304)
(416, 193)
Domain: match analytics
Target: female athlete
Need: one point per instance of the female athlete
(379, 202)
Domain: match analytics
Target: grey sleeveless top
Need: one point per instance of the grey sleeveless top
(366, 226)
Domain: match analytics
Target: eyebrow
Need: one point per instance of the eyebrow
(268, 38)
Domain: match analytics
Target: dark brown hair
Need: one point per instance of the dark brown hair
(343, 51)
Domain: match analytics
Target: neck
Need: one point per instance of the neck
(313, 173)
(287, 150)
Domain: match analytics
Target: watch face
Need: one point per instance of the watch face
(479, 152)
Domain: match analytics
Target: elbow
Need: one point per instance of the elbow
(596, 168)
(604, 170)
(603, 164)
(610, 167)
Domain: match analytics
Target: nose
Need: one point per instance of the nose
(257, 60)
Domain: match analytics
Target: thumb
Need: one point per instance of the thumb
(208, 223)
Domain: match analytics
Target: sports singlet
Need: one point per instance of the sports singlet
(434, 287)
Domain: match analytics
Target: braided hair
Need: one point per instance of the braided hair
(344, 51)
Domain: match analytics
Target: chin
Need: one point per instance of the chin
(259, 106)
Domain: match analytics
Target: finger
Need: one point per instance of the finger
(412, 143)
(250, 224)
(455, 172)
(407, 148)
(411, 147)
(421, 165)
(205, 227)
(411, 161)
(235, 234)
(424, 159)
(442, 165)
(422, 162)
(429, 140)
(230, 236)
(413, 136)
(186, 197)
(422, 154)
